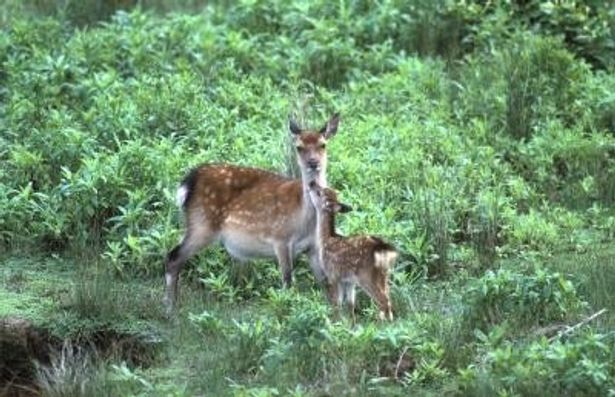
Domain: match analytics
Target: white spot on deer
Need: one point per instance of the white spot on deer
(168, 279)
(181, 195)
(385, 259)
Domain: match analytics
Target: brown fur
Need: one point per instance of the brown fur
(363, 260)
(223, 190)
(252, 212)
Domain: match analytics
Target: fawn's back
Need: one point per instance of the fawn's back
(357, 257)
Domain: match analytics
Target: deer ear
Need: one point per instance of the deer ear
(331, 127)
(292, 125)
(343, 208)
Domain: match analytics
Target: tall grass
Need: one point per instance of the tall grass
(594, 272)
(71, 372)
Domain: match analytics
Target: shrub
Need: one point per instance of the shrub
(535, 231)
(570, 167)
(488, 224)
(206, 322)
(522, 84)
(250, 339)
(101, 124)
(582, 366)
(522, 300)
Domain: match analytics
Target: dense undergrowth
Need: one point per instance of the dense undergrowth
(479, 139)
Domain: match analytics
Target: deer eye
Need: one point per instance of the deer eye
(322, 146)
(300, 149)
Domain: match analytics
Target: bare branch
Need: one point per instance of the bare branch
(401, 357)
(570, 330)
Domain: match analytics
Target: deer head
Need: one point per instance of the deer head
(325, 199)
(310, 147)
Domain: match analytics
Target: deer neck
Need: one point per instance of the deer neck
(306, 177)
(325, 229)
(325, 223)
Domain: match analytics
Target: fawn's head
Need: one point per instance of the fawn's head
(311, 147)
(325, 199)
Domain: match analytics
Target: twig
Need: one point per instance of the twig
(570, 330)
(403, 353)
(549, 330)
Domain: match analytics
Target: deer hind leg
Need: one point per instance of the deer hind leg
(379, 292)
(384, 303)
(194, 240)
(386, 310)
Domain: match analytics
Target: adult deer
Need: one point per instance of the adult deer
(347, 261)
(252, 212)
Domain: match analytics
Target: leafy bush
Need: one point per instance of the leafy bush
(303, 345)
(523, 84)
(101, 124)
(573, 168)
(488, 224)
(206, 322)
(250, 340)
(522, 300)
(582, 366)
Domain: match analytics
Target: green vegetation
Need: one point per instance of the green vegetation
(478, 138)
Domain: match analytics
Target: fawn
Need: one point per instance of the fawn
(347, 261)
(253, 212)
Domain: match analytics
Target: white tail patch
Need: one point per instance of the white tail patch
(180, 196)
(385, 259)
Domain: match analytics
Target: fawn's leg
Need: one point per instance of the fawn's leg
(334, 293)
(315, 265)
(379, 292)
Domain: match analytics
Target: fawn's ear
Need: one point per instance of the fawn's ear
(341, 207)
(331, 127)
(292, 125)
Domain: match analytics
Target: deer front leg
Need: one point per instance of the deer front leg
(335, 296)
(285, 260)
(349, 297)
(316, 266)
